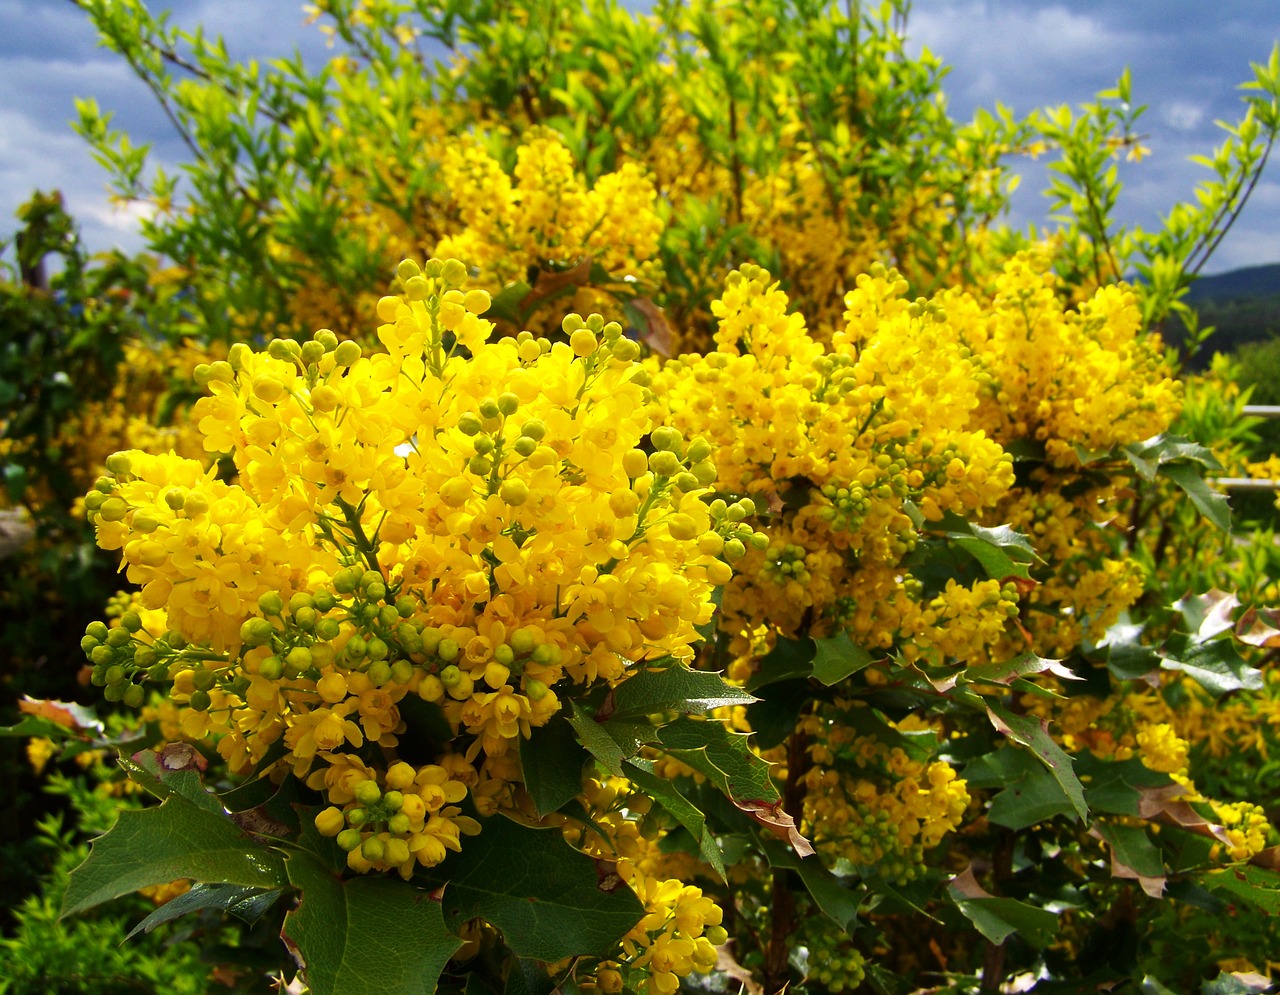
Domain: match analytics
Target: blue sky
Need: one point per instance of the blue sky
(1187, 58)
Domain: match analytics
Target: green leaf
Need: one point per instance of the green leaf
(1001, 551)
(528, 977)
(834, 899)
(721, 756)
(1127, 658)
(673, 688)
(1211, 504)
(1259, 887)
(1114, 785)
(552, 760)
(369, 934)
(1034, 735)
(663, 791)
(1133, 848)
(1235, 983)
(789, 659)
(1216, 666)
(1034, 797)
(1025, 665)
(837, 658)
(248, 904)
(157, 845)
(598, 743)
(507, 304)
(174, 770)
(549, 900)
(999, 918)
(1149, 456)
(773, 718)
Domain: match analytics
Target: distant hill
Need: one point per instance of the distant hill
(1242, 305)
(1252, 281)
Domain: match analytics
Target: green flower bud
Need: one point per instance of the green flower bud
(347, 353)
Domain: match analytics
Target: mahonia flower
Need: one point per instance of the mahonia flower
(467, 521)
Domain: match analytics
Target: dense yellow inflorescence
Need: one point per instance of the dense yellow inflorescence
(461, 520)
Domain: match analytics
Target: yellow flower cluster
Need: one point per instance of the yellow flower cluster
(545, 225)
(681, 927)
(871, 803)
(839, 443)
(466, 521)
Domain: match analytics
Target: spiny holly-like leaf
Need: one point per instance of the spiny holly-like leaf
(1149, 456)
(1210, 503)
(788, 660)
(673, 688)
(54, 719)
(247, 904)
(549, 900)
(1035, 796)
(598, 743)
(1216, 666)
(1259, 627)
(1128, 658)
(552, 760)
(837, 658)
(1002, 551)
(1256, 886)
(1209, 614)
(365, 935)
(640, 772)
(1133, 856)
(1034, 735)
(833, 898)
(721, 756)
(1116, 786)
(999, 918)
(157, 845)
(175, 769)
(1021, 666)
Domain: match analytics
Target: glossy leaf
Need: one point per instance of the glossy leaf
(368, 934)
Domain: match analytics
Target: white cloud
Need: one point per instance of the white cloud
(1183, 115)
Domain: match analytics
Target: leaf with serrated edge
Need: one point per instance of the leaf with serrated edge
(1133, 856)
(999, 918)
(551, 759)
(549, 900)
(247, 903)
(721, 756)
(640, 772)
(158, 845)
(837, 658)
(365, 936)
(1022, 666)
(1034, 735)
(674, 688)
(598, 743)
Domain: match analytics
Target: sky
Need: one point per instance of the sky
(1187, 58)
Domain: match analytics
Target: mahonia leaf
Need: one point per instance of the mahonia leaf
(1209, 614)
(54, 719)
(1133, 856)
(999, 918)
(1002, 551)
(1258, 887)
(1259, 627)
(723, 757)
(179, 839)
(552, 759)
(1216, 666)
(1034, 735)
(834, 899)
(661, 790)
(174, 769)
(597, 741)
(370, 934)
(1024, 665)
(672, 688)
(549, 900)
(837, 658)
(789, 659)
(247, 904)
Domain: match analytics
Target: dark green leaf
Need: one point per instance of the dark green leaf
(663, 791)
(1034, 735)
(723, 757)
(834, 899)
(674, 688)
(838, 657)
(528, 977)
(1024, 665)
(371, 934)
(999, 918)
(1216, 666)
(1255, 885)
(174, 770)
(1211, 504)
(1035, 796)
(158, 845)
(773, 718)
(599, 743)
(1001, 551)
(552, 760)
(549, 900)
(1235, 983)
(247, 903)
(789, 659)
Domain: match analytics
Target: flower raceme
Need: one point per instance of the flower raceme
(465, 521)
